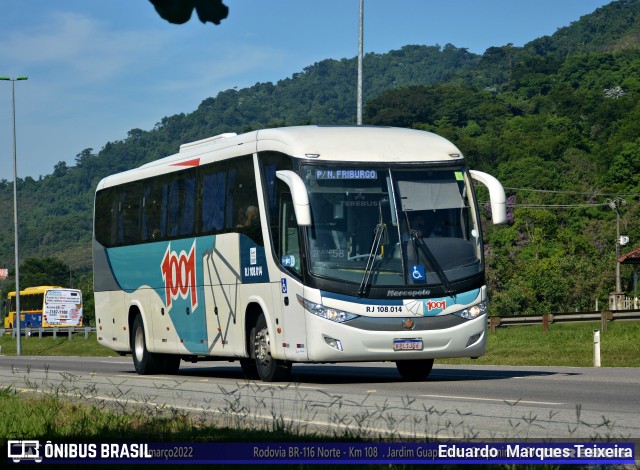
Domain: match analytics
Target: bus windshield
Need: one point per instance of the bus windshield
(392, 226)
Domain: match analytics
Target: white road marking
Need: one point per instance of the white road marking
(500, 400)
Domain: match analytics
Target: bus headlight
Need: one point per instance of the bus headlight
(475, 311)
(328, 313)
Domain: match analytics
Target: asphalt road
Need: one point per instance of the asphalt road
(371, 399)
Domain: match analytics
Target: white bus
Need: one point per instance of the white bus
(302, 244)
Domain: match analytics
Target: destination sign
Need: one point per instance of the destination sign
(346, 174)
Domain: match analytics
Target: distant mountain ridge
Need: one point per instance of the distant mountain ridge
(612, 27)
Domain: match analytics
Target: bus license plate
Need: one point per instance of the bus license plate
(407, 344)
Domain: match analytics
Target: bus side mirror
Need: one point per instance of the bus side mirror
(299, 195)
(496, 194)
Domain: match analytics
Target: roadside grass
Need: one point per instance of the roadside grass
(565, 344)
(53, 417)
(60, 346)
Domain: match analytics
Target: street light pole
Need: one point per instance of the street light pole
(15, 213)
(360, 53)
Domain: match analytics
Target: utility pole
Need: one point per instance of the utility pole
(615, 204)
(360, 53)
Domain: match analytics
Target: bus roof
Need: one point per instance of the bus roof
(324, 143)
(358, 144)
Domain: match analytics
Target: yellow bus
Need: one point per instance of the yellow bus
(45, 306)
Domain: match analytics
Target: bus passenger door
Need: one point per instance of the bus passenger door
(7, 318)
(290, 259)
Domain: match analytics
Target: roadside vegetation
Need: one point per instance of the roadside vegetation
(52, 417)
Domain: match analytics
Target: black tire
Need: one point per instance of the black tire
(268, 368)
(143, 361)
(170, 363)
(249, 369)
(415, 370)
(248, 365)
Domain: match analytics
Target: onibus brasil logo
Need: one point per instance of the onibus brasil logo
(31, 450)
(28, 450)
(179, 276)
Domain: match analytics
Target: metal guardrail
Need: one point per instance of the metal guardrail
(547, 319)
(52, 331)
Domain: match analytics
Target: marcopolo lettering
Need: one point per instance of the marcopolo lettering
(408, 293)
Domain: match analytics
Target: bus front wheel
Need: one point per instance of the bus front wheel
(269, 369)
(415, 370)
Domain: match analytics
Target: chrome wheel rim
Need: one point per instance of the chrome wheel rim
(262, 346)
(139, 344)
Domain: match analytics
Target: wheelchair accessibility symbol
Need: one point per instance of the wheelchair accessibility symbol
(418, 273)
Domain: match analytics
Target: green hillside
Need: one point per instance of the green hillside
(558, 121)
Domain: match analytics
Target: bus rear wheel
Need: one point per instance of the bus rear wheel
(144, 361)
(269, 369)
(415, 370)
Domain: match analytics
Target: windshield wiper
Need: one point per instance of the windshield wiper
(380, 230)
(428, 254)
(433, 262)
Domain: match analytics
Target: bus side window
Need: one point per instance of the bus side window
(181, 205)
(153, 226)
(106, 217)
(213, 189)
(270, 162)
(243, 201)
(129, 214)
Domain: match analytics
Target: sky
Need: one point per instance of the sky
(99, 68)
